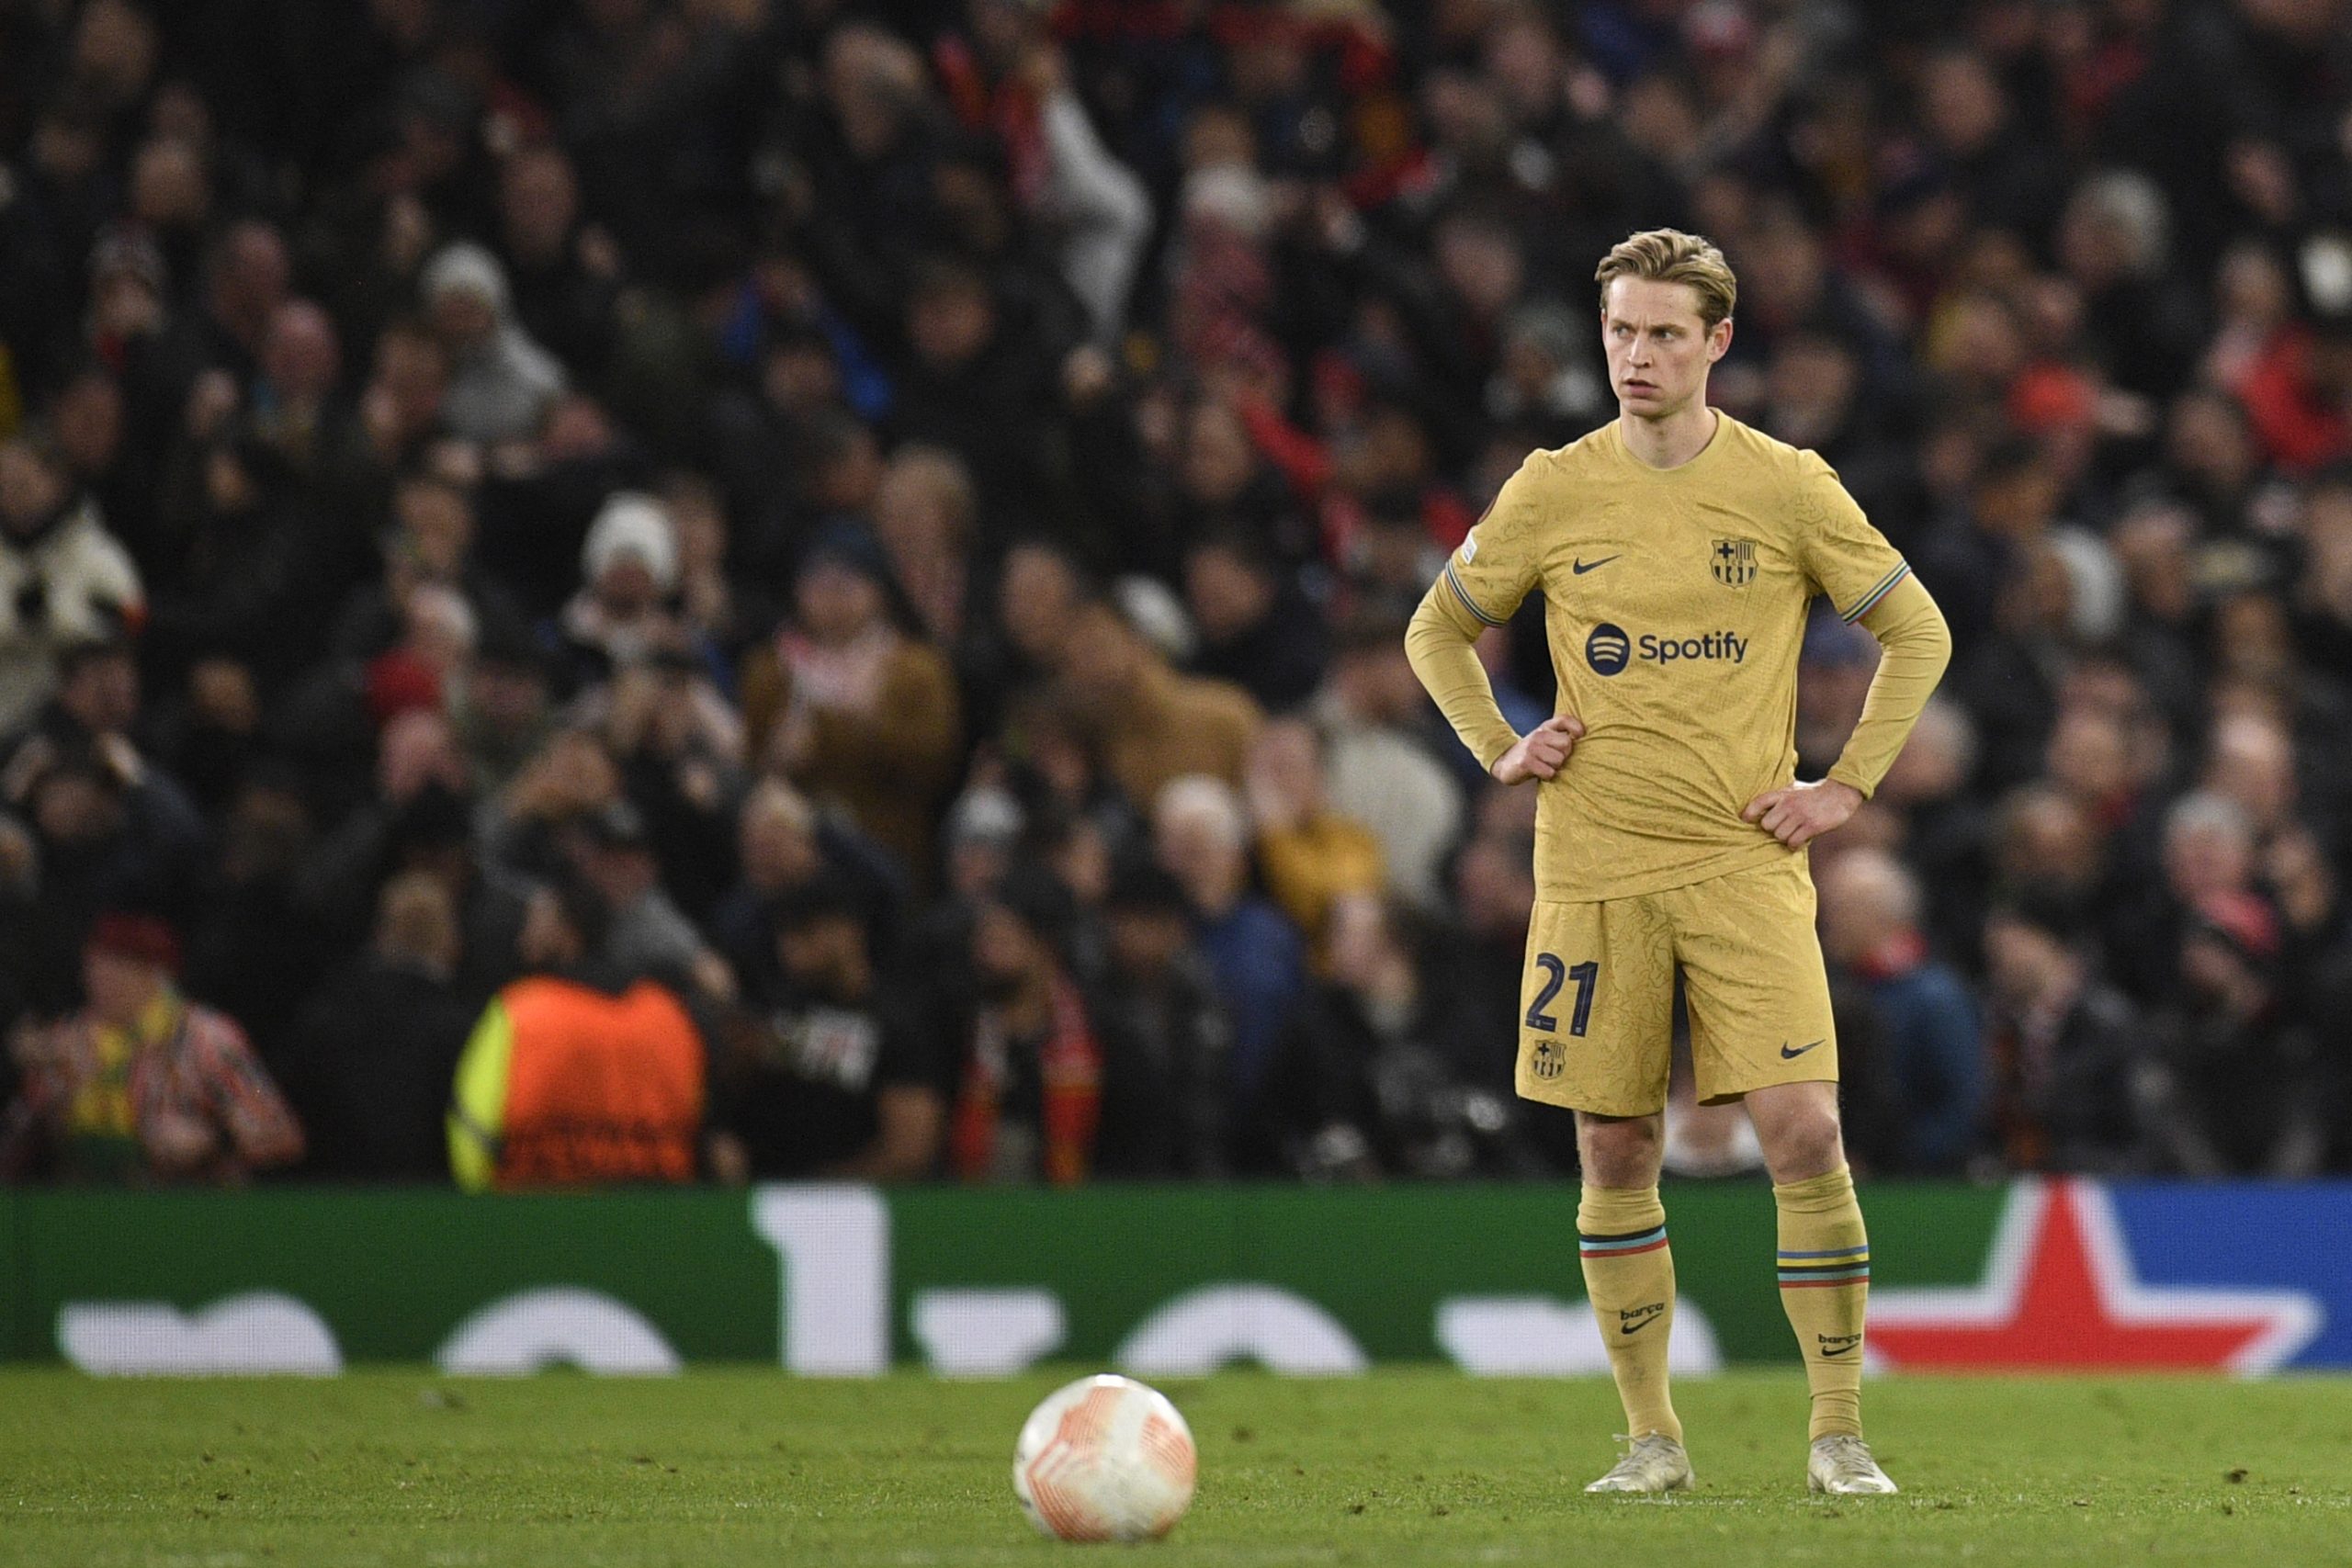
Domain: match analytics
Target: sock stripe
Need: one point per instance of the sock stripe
(1624, 1246)
(1591, 1238)
(1791, 1279)
(1862, 1250)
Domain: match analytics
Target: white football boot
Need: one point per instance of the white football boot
(1841, 1465)
(1653, 1462)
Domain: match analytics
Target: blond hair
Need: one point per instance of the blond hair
(1670, 256)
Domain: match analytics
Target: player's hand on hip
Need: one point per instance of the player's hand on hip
(1541, 753)
(1803, 812)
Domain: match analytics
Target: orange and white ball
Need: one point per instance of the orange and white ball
(1105, 1459)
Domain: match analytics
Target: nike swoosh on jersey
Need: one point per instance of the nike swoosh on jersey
(1787, 1054)
(1581, 567)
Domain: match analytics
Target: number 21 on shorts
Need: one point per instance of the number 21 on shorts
(1557, 974)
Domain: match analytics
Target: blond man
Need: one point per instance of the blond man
(1678, 552)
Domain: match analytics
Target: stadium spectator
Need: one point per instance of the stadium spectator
(820, 1075)
(1165, 1036)
(1254, 634)
(63, 577)
(850, 709)
(1382, 767)
(102, 835)
(628, 569)
(1384, 1092)
(1929, 1040)
(2066, 1050)
(644, 933)
(577, 1073)
(1150, 725)
(371, 1061)
(924, 512)
(1308, 856)
(501, 383)
(141, 1084)
(2232, 1090)
(1201, 837)
(1028, 1075)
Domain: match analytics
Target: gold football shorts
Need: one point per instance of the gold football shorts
(1596, 1000)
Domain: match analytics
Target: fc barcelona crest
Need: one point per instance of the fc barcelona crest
(1734, 561)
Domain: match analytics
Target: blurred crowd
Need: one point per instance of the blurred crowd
(729, 589)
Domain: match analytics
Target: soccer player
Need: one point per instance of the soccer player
(1678, 551)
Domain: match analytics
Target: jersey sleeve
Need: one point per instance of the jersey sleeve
(1848, 560)
(1503, 559)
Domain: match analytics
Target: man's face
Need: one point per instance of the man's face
(510, 697)
(1145, 942)
(949, 325)
(103, 693)
(627, 587)
(438, 525)
(547, 940)
(1659, 350)
(120, 988)
(463, 317)
(1035, 601)
(538, 202)
(1003, 953)
(826, 955)
(1100, 660)
(301, 357)
(836, 602)
(1226, 595)
(2017, 960)
(29, 488)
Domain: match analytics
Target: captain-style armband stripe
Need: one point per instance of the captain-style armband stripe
(1463, 594)
(1902, 570)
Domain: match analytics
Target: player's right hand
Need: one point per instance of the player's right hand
(1541, 751)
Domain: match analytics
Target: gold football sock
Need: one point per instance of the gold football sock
(1824, 1279)
(1629, 1274)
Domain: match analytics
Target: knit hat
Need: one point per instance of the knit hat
(632, 524)
(986, 816)
(464, 269)
(143, 939)
(849, 544)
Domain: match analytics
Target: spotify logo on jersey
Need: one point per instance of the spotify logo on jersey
(1607, 648)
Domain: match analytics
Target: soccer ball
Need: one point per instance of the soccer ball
(1105, 1459)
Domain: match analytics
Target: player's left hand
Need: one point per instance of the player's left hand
(1803, 812)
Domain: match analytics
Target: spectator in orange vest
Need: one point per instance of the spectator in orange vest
(575, 1076)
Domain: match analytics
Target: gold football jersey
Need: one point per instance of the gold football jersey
(1675, 606)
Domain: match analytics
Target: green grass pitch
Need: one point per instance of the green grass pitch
(749, 1467)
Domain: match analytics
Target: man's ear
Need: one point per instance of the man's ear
(1719, 341)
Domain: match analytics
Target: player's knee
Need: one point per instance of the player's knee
(1804, 1146)
(1621, 1152)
